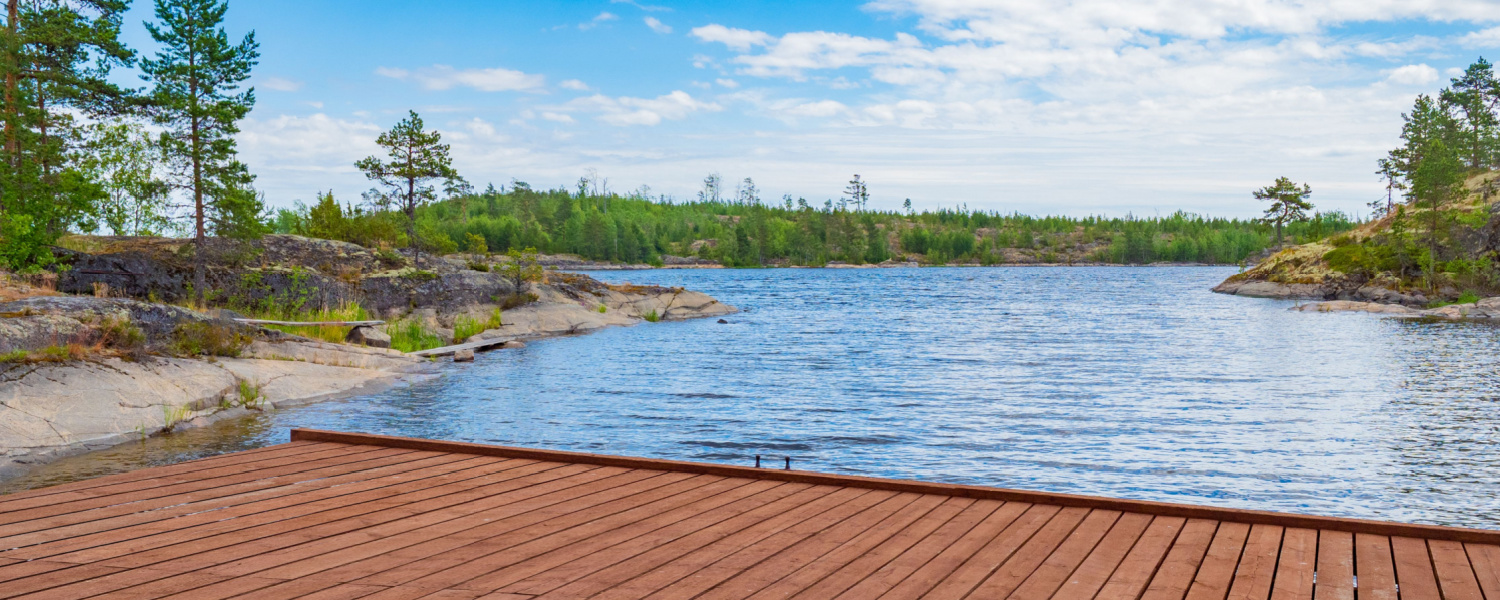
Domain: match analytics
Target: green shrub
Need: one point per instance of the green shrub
(481, 267)
(14, 356)
(515, 300)
(1468, 297)
(603, 309)
(208, 339)
(121, 334)
(651, 316)
(411, 336)
(496, 320)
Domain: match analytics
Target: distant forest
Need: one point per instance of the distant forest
(744, 231)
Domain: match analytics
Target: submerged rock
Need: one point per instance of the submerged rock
(465, 355)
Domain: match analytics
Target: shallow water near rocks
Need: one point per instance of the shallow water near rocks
(1124, 382)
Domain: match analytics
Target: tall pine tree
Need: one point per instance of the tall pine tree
(417, 159)
(198, 100)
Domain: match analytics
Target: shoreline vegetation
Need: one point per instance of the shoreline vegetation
(1435, 240)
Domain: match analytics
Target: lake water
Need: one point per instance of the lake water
(1125, 382)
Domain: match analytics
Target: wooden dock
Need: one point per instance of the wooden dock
(335, 515)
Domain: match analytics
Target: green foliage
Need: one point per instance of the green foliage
(121, 334)
(602, 309)
(251, 395)
(197, 98)
(1288, 203)
(465, 327)
(651, 316)
(417, 157)
(1468, 297)
(56, 59)
(521, 268)
(127, 161)
(475, 244)
(351, 311)
(200, 338)
(410, 336)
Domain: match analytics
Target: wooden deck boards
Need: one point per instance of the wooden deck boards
(343, 516)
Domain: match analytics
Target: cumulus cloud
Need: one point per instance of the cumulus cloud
(729, 83)
(736, 39)
(656, 25)
(280, 84)
(625, 110)
(1413, 75)
(444, 77)
(574, 84)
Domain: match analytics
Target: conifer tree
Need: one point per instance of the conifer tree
(198, 100)
(417, 158)
(1472, 99)
(1288, 203)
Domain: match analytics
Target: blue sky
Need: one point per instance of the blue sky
(1076, 107)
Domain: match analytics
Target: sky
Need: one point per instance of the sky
(1075, 107)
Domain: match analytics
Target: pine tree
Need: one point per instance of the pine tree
(417, 158)
(858, 194)
(1472, 100)
(1288, 203)
(197, 98)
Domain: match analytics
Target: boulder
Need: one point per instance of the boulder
(368, 336)
(465, 355)
(512, 345)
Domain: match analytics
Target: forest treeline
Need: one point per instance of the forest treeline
(744, 231)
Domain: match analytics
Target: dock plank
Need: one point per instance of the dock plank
(1335, 579)
(1252, 580)
(1373, 567)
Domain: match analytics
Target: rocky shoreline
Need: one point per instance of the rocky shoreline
(72, 382)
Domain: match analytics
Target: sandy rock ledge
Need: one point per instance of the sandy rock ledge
(48, 411)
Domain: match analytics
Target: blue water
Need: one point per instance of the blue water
(1125, 382)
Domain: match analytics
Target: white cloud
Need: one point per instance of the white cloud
(557, 117)
(625, 110)
(280, 84)
(729, 83)
(657, 26)
(736, 39)
(444, 77)
(1092, 22)
(1487, 38)
(574, 84)
(599, 19)
(1413, 75)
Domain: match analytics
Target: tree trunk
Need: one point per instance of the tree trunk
(411, 221)
(200, 235)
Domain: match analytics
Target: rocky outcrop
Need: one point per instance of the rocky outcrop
(49, 410)
(33, 323)
(1488, 308)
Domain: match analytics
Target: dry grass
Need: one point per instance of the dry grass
(16, 287)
